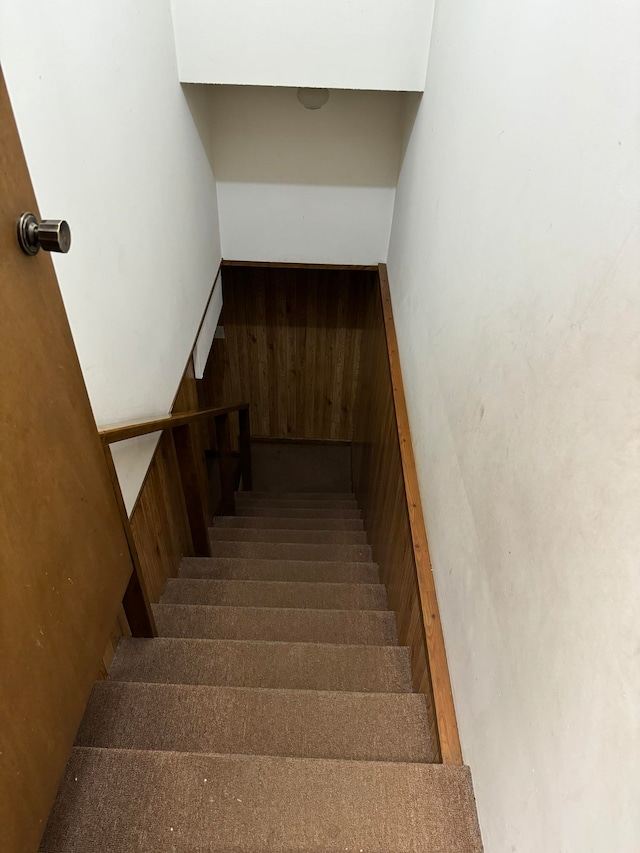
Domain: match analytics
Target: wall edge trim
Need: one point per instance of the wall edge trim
(436, 653)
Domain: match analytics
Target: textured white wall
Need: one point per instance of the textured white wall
(515, 273)
(380, 44)
(305, 185)
(112, 147)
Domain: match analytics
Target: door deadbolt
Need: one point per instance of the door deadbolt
(52, 235)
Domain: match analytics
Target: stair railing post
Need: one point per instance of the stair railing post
(245, 449)
(193, 497)
(225, 460)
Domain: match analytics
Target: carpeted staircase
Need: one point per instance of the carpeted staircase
(274, 713)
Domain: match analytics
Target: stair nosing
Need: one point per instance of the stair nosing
(239, 689)
(286, 560)
(262, 642)
(307, 610)
(279, 583)
(259, 757)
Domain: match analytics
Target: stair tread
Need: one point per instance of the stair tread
(282, 594)
(237, 568)
(303, 723)
(309, 537)
(262, 663)
(325, 496)
(290, 551)
(308, 625)
(256, 511)
(287, 523)
(290, 503)
(130, 800)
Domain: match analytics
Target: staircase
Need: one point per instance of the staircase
(274, 712)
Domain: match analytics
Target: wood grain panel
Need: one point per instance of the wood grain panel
(292, 349)
(386, 485)
(159, 519)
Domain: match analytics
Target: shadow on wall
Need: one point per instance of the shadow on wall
(198, 102)
(264, 135)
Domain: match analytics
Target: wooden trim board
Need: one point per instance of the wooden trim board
(297, 266)
(440, 680)
(110, 435)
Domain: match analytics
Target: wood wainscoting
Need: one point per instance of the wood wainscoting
(159, 521)
(385, 482)
(291, 348)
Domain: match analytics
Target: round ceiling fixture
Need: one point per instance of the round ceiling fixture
(313, 99)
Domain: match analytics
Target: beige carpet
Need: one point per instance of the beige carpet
(274, 713)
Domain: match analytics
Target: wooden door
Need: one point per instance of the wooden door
(64, 561)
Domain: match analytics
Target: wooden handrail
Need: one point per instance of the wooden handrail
(136, 601)
(443, 697)
(109, 435)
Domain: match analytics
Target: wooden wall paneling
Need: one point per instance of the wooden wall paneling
(159, 521)
(280, 385)
(170, 486)
(299, 347)
(292, 348)
(309, 382)
(187, 400)
(386, 485)
(262, 353)
(192, 465)
(151, 527)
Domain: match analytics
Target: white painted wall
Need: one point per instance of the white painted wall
(515, 273)
(112, 147)
(339, 44)
(303, 185)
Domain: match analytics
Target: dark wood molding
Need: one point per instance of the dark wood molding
(297, 266)
(439, 670)
(110, 435)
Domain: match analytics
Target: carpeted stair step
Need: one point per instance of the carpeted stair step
(359, 627)
(131, 801)
(291, 551)
(295, 496)
(254, 511)
(230, 568)
(221, 593)
(309, 537)
(274, 501)
(277, 523)
(250, 721)
(294, 666)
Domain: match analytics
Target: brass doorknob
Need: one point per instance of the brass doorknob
(52, 235)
